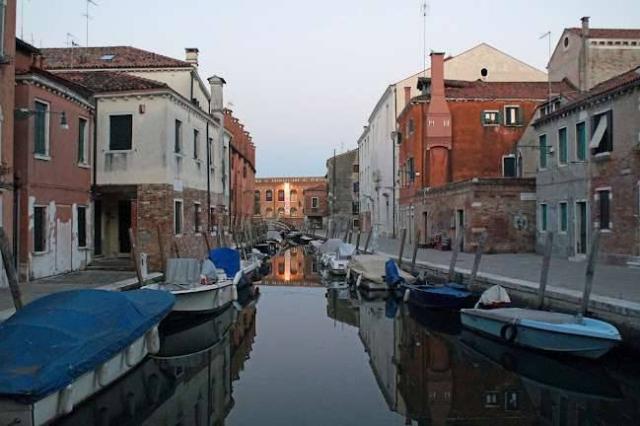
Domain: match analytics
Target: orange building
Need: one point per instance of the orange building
(243, 170)
(283, 198)
(459, 131)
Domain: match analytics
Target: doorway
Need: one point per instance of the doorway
(124, 223)
(580, 234)
(460, 228)
(426, 227)
(97, 227)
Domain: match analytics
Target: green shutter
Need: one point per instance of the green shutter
(562, 145)
(40, 124)
(543, 151)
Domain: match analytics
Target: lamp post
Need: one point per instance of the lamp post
(24, 113)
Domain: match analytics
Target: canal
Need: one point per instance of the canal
(303, 351)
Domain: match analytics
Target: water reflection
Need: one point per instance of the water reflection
(189, 382)
(430, 374)
(293, 268)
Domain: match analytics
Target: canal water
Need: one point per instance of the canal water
(304, 351)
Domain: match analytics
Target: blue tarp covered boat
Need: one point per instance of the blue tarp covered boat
(59, 340)
(227, 259)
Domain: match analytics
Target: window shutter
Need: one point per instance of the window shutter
(483, 118)
(500, 117)
(519, 116)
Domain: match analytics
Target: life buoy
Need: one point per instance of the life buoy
(509, 332)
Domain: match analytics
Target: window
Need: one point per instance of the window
(411, 172)
(268, 195)
(581, 141)
(280, 212)
(197, 225)
(356, 223)
(293, 212)
(512, 116)
(293, 195)
(564, 217)
(269, 212)
(82, 226)
(490, 118)
(107, 57)
(196, 144)
(244, 170)
(356, 168)
(120, 132)
(411, 127)
(3, 7)
(602, 133)
(315, 202)
(563, 151)
(543, 151)
(39, 229)
(543, 217)
(41, 133)
(256, 196)
(280, 194)
(177, 217)
(509, 166)
(603, 197)
(355, 207)
(356, 187)
(177, 142)
(83, 152)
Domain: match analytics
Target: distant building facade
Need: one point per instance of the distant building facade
(282, 198)
(340, 184)
(378, 155)
(316, 206)
(53, 168)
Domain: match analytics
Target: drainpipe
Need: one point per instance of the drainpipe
(208, 175)
(393, 148)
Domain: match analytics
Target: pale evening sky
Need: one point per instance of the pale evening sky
(304, 75)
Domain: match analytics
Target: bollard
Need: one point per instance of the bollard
(403, 238)
(476, 258)
(544, 273)
(136, 258)
(415, 251)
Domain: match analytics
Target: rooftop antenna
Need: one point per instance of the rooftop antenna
(548, 35)
(71, 42)
(425, 11)
(88, 17)
(22, 19)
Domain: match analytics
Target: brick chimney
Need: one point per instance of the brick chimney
(407, 95)
(191, 55)
(585, 26)
(216, 84)
(583, 57)
(438, 125)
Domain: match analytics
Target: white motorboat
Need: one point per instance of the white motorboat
(339, 262)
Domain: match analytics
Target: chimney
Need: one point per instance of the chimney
(191, 54)
(407, 95)
(216, 83)
(585, 26)
(437, 74)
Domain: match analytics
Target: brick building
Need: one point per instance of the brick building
(459, 131)
(283, 197)
(7, 93)
(243, 170)
(54, 124)
(340, 184)
(316, 205)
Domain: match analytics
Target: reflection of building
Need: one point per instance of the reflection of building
(243, 334)
(283, 198)
(293, 268)
(341, 307)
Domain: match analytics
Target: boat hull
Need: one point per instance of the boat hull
(534, 338)
(431, 298)
(208, 300)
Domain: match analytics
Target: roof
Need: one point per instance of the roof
(316, 188)
(107, 57)
(619, 82)
(111, 81)
(608, 32)
(23, 46)
(455, 89)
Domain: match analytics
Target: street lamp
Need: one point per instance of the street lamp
(24, 113)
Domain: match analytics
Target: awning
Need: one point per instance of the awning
(599, 133)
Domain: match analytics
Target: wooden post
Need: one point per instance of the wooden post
(136, 257)
(206, 242)
(175, 248)
(591, 266)
(476, 259)
(350, 238)
(454, 255)
(403, 238)
(544, 273)
(327, 233)
(346, 234)
(367, 241)
(358, 241)
(7, 261)
(163, 260)
(415, 251)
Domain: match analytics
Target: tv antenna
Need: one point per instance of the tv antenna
(22, 19)
(88, 17)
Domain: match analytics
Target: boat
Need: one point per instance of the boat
(65, 347)
(328, 250)
(447, 296)
(368, 272)
(546, 331)
(338, 263)
(198, 287)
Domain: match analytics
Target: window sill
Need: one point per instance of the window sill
(178, 154)
(84, 165)
(85, 248)
(118, 151)
(40, 253)
(606, 231)
(602, 156)
(491, 125)
(42, 157)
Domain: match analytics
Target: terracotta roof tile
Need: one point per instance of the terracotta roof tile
(609, 32)
(478, 89)
(106, 57)
(110, 81)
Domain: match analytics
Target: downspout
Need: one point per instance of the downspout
(393, 148)
(208, 174)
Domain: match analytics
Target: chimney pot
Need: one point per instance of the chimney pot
(585, 25)
(407, 95)
(191, 55)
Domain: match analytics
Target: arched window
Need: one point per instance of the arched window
(280, 194)
(269, 212)
(268, 195)
(293, 195)
(280, 212)
(293, 212)
(256, 196)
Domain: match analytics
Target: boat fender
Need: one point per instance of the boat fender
(130, 356)
(102, 374)
(234, 292)
(65, 400)
(509, 332)
(405, 297)
(358, 281)
(153, 340)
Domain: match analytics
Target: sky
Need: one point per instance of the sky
(302, 75)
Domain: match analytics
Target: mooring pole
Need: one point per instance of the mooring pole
(175, 248)
(591, 266)
(403, 238)
(415, 251)
(454, 256)
(7, 261)
(544, 273)
(476, 259)
(367, 241)
(161, 248)
(358, 241)
(136, 256)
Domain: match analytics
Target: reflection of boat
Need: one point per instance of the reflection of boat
(341, 308)
(62, 348)
(547, 331)
(440, 320)
(577, 378)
